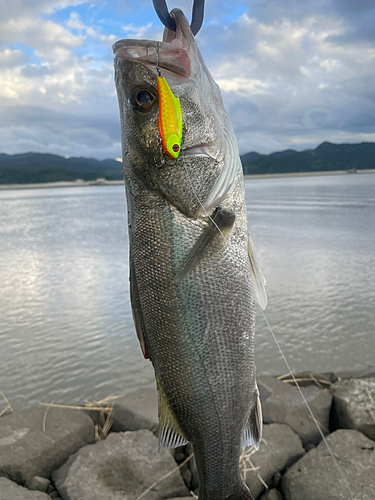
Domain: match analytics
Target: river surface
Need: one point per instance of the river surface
(66, 330)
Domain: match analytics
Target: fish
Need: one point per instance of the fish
(194, 278)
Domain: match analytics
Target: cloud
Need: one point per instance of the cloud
(292, 74)
(24, 8)
(52, 97)
(94, 33)
(292, 82)
(68, 133)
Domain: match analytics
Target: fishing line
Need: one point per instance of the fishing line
(284, 359)
(308, 407)
(199, 201)
(287, 365)
(340, 470)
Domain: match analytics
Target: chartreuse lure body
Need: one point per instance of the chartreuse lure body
(170, 119)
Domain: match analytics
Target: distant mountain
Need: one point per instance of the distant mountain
(35, 167)
(250, 156)
(326, 157)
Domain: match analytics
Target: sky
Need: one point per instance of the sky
(292, 74)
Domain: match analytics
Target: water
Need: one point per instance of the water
(66, 331)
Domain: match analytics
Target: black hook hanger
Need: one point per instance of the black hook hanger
(164, 16)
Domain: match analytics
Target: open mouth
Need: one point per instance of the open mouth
(171, 54)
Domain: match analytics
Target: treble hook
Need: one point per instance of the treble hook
(162, 11)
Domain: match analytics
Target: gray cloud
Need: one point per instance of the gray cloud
(32, 71)
(12, 58)
(292, 75)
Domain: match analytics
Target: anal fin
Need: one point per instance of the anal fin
(252, 434)
(221, 221)
(170, 434)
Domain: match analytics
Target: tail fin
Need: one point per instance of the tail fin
(244, 495)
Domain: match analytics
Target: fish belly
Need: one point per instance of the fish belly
(199, 333)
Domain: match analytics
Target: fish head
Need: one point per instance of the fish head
(199, 178)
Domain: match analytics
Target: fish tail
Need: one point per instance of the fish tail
(244, 495)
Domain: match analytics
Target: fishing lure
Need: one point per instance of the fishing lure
(170, 119)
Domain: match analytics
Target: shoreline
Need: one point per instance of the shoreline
(63, 184)
(308, 174)
(59, 184)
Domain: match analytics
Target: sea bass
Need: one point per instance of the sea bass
(192, 268)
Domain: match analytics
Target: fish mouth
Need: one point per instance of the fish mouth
(171, 54)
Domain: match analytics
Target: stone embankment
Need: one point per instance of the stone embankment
(55, 452)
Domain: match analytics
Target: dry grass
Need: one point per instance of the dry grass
(247, 465)
(8, 405)
(318, 382)
(45, 418)
(286, 375)
(319, 424)
(101, 412)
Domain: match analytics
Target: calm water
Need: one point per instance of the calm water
(66, 330)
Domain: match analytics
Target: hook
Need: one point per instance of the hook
(162, 11)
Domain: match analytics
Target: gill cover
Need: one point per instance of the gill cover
(170, 119)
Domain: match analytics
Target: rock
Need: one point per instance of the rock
(368, 372)
(275, 480)
(316, 477)
(26, 451)
(54, 494)
(278, 450)
(119, 468)
(272, 495)
(188, 471)
(12, 491)
(354, 405)
(135, 411)
(283, 404)
(38, 483)
(187, 477)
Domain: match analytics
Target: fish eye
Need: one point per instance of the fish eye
(142, 99)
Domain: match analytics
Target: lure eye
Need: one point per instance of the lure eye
(142, 99)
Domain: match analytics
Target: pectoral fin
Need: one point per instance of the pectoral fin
(170, 434)
(221, 221)
(259, 281)
(252, 433)
(137, 313)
